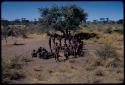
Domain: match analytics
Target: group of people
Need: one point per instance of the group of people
(41, 53)
(66, 43)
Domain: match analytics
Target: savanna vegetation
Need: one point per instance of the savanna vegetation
(103, 61)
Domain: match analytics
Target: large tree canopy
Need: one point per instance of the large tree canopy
(63, 17)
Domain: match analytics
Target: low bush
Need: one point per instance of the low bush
(107, 51)
(108, 30)
(11, 70)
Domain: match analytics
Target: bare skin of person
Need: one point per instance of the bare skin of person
(80, 48)
(39, 51)
(34, 54)
(56, 52)
(66, 52)
(50, 39)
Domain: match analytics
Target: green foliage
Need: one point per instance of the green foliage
(62, 17)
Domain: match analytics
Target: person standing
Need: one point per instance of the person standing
(50, 39)
(75, 48)
(60, 40)
(66, 51)
(56, 48)
(53, 38)
(80, 48)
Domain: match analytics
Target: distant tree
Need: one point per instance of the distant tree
(13, 32)
(4, 23)
(102, 19)
(94, 21)
(27, 21)
(112, 21)
(35, 21)
(40, 20)
(8, 32)
(17, 20)
(14, 22)
(107, 19)
(120, 21)
(24, 21)
(4, 33)
(64, 17)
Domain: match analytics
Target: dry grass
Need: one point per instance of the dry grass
(11, 70)
(88, 69)
(107, 51)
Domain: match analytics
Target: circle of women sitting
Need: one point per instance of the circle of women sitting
(68, 44)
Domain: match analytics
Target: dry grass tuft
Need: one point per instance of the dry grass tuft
(11, 70)
(50, 71)
(72, 61)
(99, 73)
(107, 51)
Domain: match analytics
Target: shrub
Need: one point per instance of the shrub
(11, 70)
(106, 51)
(108, 30)
(99, 73)
(114, 63)
(91, 61)
(120, 30)
(6, 64)
(72, 61)
(15, 63)
(16, 74)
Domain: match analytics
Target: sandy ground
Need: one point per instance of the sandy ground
(33, 42)
(74, 70)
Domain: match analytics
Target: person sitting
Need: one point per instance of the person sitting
(40, 52)
(34, 54)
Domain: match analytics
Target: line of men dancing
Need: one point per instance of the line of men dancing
(66, 43)
(72, 45)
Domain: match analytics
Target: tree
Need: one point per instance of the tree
(64, 17)
(17, 21)
(35, 21)
(101, 19)
(4, 33)
(4, 25)
(120, 21)
(107, 19)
